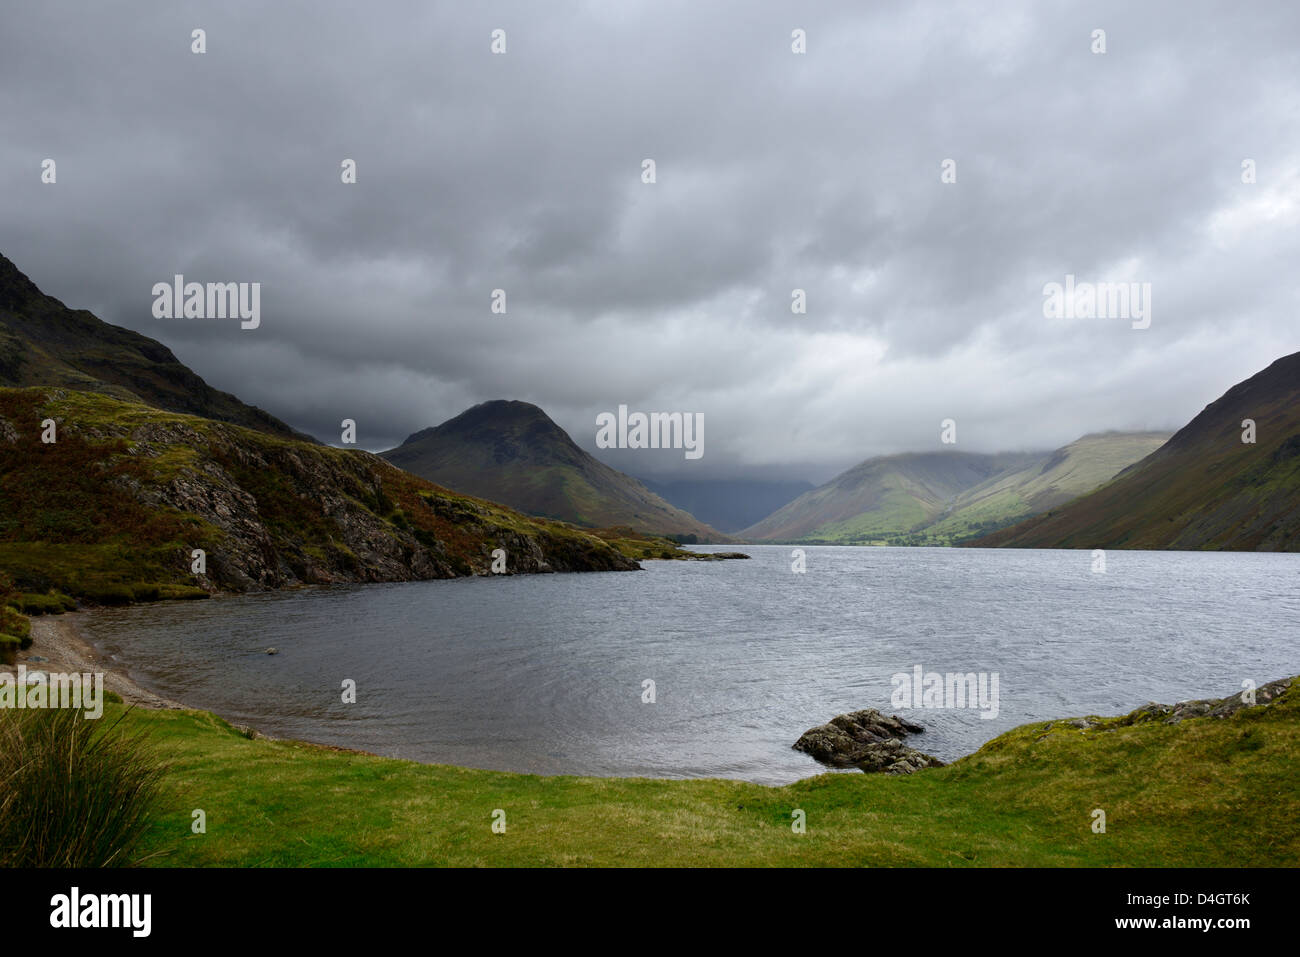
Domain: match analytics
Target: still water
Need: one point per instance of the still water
(545, 673)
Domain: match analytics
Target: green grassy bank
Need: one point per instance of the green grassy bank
(1204, 792)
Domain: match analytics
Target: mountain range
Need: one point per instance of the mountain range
(939, 498)
(151, 463)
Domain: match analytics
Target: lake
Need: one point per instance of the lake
(544, 674)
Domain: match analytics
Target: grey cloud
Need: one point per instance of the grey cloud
(775, 172)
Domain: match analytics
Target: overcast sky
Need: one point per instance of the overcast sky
(775, 171)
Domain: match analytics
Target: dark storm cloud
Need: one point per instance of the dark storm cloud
(775, 172)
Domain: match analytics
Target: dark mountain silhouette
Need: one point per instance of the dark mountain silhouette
(511, 452)
(44, 343)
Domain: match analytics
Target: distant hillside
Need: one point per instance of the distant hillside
(882, 498)
(727, 504)
(939, 498)
(511, 452)
(112, 510)
(1067, 473)
(1204, 488)
(44, 343)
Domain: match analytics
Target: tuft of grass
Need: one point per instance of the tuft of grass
(73, 792)
(15, 627)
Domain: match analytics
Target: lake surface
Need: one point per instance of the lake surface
(544, 673)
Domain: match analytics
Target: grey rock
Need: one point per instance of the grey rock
(867, 740)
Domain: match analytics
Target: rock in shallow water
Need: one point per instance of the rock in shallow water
(867, 740)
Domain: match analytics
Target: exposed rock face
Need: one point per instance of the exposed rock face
(867, 740)
(266, 511)
(361, 544)
(1263, 696)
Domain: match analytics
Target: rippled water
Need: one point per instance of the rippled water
(544, 673)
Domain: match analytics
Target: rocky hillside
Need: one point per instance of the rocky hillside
(512, 452)
(113, 509)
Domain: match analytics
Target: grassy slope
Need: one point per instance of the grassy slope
(880, 498)
(900, 506)
(944, 498)
(1204, 488)
(127, 490)
(1074, 470)
(1206, 792)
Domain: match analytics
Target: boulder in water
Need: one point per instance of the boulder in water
(867, 740)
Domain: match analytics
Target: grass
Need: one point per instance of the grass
(1206, 792)
(910, 509)
(638, 545)
(15, 626)
(51, 603)
(73, 792)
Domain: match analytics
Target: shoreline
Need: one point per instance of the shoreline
(64, 648)
(59, 640)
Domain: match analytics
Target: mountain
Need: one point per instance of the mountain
(44, 343)
(1203, 489)
(511, 452)
(727, 504)
(881, 498)
(940, 498)
(1067, 473)
(112, 510)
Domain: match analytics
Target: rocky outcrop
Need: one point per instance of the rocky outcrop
(267, 512)
(867, 740)
(1177, 713)
(709, 556)
(362, 531)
